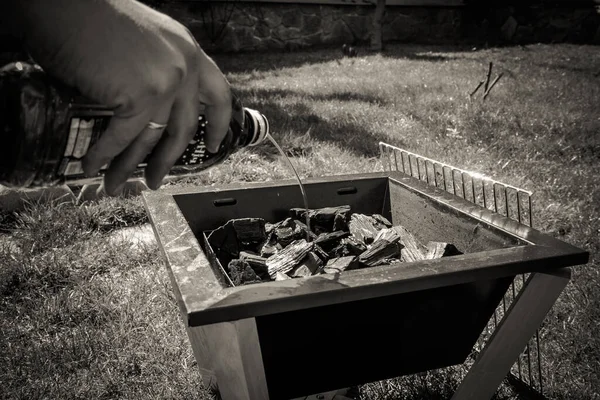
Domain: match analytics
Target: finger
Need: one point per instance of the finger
(181, 128)
(123, 165)
(119, 134)
(215, 95)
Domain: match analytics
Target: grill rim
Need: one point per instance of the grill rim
(209, 299)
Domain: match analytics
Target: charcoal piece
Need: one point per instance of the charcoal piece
(250, 230)
(383, 221)
(309, 265)
(224, 242)
(340, 264)
(312, 261)
(440, 249)
(288, 258)
(387, 261)
(320, 252)
(388, 234)
(270, 248)
(340, 221)
(363, 227)
(328, 241)
(379, 250)
(270, 228)
(285, 235)
(257, 263)
(299, 213)
(301, 230)
(301, 272)
(241, 273)
(280, 276)
(353, 246)
(287, 223)
(348, 247)
(321, 219)
(413, 250)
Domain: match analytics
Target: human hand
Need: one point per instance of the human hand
(142, 64)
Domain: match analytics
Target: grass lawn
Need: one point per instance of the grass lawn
(85, 316)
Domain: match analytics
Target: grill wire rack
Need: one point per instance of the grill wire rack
(526, 374)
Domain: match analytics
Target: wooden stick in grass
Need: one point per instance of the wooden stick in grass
(476, 89)
(492, 85)
(487, 78)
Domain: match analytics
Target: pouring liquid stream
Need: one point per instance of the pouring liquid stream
(304, 197)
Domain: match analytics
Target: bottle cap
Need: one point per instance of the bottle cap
(261, 126)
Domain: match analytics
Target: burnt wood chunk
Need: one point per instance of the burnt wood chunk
(391, 235)
(440, 249)
(288, 258)
(279, 276)
(364, 227)
(287, 223)
(250, 230)
(270, 248)
(241, 273)
(301, 231)
(322, 219)
(383, 221)
(224, 241)
(412, 250)
(330, 240)
(349, 246)
(340, 264)
(309, 265)
(380, 250)
(270, 228)
(337, 240)
(285, 235)
(340, 222)
(323, 255)
(301, 271)
(258, 263)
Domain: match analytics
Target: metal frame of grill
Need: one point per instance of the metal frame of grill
(510, 201)
(241, 335)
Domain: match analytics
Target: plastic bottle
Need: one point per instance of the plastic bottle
(46, 128)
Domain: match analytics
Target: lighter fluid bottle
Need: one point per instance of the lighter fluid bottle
(47, 128)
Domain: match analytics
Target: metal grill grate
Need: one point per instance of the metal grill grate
(507, 200)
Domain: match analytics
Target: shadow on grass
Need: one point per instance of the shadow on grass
(344, 95)
(276, 60)
(298, 119)
(591, 67)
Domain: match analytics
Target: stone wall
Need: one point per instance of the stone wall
(239, 25)
(533, 23)
(245, 26)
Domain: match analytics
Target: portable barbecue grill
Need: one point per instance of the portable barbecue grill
(292, 338)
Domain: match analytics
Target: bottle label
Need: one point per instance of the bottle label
(84, 131)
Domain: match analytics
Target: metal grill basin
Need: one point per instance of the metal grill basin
(367, 324)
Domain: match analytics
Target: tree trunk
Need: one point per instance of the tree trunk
(377, 33)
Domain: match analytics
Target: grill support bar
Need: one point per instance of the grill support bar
(521, 321)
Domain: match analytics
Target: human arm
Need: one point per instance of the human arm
(137, 61)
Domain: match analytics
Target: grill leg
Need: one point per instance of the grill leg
(522, 319)
(230, 360)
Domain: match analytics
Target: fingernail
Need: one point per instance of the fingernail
(156, 185)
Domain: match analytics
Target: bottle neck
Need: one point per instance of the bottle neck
(257, 126)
